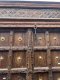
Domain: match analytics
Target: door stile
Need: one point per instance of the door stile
(10, 56)
(29, 53)
(50, 77)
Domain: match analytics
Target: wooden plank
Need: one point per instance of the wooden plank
(55, 47)
(10, 55)
(13, 70)
(53, 21)
(45, 47)
(29, 4)
(5, 70)
(48, 56)
(29, 50)
(14, 48)
(28, 55)
(45, 23)
(19, 70)
(4, 48)
(56, 69)
(19, 47)
(40, 47)
(41, 69)
(28, 26)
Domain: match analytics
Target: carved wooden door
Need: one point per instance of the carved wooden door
(29, 54)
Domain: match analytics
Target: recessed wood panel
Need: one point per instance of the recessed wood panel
(18, 76)
(40, 39)
(55, 39)
(19, 59)
(4, 38)
(3, 59)
(56, 76)
(3, 77)
(40, 58)
(20, 39)
(41, 76)
(55, 56)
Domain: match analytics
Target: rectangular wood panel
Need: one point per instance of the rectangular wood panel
(55, 39)
(55, 56)
(18, 76)
(56, 76)
(3, 77)
(41, 41)
(41, 76)
(3, 59)
(4, 38)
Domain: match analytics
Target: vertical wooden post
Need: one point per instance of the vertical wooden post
(10, 55)
(48, 55)
(34, 40)
(29, 52)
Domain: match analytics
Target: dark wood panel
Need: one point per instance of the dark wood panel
(56, 76)
(41, 76)
(18, 77)
(20, 39)
(4, 38)
(55, 56)
(40, 58)
(40, 39)
(19, 59)
(55, 39)
(3, 77)
(3, 59)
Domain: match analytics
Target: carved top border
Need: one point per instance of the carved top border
(29, 4)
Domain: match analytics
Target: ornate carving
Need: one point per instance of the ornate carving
(29, 13)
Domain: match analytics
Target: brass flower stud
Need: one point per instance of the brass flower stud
(2, 38)
(19, 38)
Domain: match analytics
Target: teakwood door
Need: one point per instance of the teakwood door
(29, 54)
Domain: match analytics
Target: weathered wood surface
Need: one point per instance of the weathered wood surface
(29, 4)
(44, 47)
(50, 23)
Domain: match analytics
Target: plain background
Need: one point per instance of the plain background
(33, 0)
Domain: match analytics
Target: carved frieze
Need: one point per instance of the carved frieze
(29, 13)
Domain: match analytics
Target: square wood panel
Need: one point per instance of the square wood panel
(19, 59)
(40, 58)
(20, 39)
